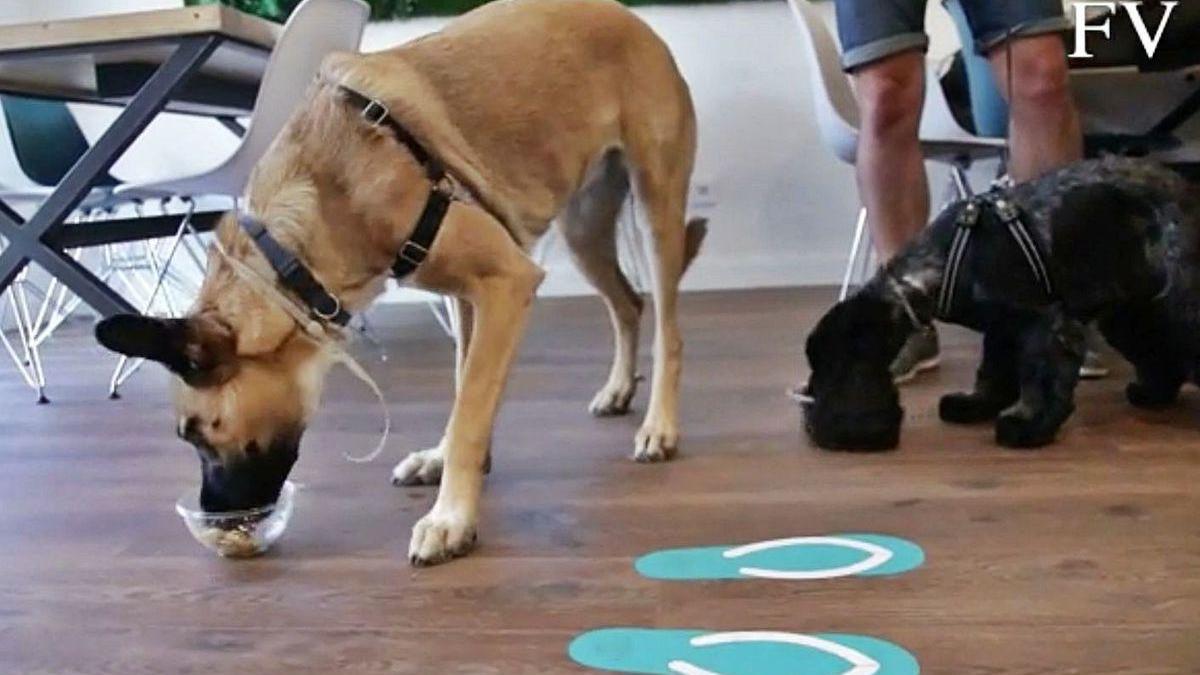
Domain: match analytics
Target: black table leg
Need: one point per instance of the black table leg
(28, 241)
(233, 125)
(1183, 112)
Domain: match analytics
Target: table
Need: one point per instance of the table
(203, 60)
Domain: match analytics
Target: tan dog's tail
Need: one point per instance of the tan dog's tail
(694, 233)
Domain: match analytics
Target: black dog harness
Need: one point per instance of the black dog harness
(1008, 214)
(298, 279)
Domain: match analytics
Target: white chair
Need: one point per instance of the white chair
(315, 29)
(942, 139)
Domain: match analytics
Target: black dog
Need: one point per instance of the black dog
(1112, 241)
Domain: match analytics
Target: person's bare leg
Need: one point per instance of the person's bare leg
(1044, 131)
(890, 167)
(891, 174)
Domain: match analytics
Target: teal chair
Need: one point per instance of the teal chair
(989, 111)
(46, 139)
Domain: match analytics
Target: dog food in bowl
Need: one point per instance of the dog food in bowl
(238, 534)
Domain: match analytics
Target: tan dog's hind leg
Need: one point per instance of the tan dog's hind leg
(589, 227)
(424, 467)
(663, 203)
(500, 282)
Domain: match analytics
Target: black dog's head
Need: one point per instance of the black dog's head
(855, 404)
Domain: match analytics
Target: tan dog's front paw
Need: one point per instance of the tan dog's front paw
(613, 399)
(655, 442)
(419, 468)
(441, 536)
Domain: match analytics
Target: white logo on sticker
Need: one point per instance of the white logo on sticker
(860, 664)
(878, 556)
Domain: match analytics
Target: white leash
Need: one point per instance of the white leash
(316, 332)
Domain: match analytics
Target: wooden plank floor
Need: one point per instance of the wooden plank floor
(1081, 558)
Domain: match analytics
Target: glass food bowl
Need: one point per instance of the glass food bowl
(238, 534)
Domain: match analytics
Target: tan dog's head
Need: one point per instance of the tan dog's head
(333, 191)
(244, 413)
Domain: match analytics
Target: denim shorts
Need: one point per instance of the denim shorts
(874, 29)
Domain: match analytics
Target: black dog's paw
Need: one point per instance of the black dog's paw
(1146, 397)
(968, 408)
(1015, 431)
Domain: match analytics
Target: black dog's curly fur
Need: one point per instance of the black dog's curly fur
(1122, 237)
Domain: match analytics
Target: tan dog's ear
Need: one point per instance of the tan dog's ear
(199, 349)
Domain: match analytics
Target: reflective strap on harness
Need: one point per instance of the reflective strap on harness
(1010, 215)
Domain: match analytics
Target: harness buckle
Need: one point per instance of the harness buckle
(375, 112)
(449, 187)
(1007, 210)
(413, 253)
(331, 314)
(969, 216)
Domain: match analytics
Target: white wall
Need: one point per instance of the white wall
(18, 11)
(781, 208)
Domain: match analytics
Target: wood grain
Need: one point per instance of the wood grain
(110, 28)
(1081, 558)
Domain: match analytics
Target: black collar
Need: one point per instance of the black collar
(1001, 203)
(293, 274)
(298, 279)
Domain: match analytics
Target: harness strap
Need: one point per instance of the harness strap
(293, 274)
(1010, 215)
(958, 250)
(297, 278)
(413, 251)
(1033, 257)
(376, 113)
(416, 249)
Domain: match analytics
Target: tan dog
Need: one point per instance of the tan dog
(543, 110)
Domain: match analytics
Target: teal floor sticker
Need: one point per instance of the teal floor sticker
(798, 558)
(697, 652)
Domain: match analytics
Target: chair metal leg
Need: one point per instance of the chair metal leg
(121, 374)
(867, 257)
(442, 311)
(19, 360)
(28, 360)
(855, 248)
(541, 250)
(63, 307)
(32, 352)
(367, 333)
(59, 303)
(962, 184)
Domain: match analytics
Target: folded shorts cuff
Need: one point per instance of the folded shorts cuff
(1053, 24)
(881, 49)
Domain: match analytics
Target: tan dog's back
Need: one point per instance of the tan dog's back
(602, 80)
